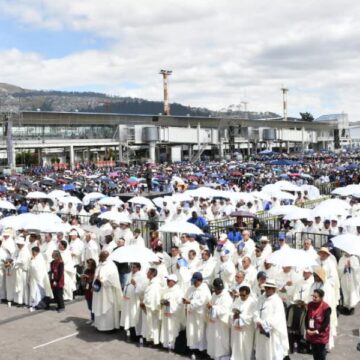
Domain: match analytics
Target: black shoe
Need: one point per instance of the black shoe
(352, 311)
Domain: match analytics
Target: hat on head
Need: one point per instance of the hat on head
(270, 283)
(320, 272)
(197, 276)
(308, 269)
(171, 277)
(74, 232)
(7, 232)
(264, 238)
(282, 236)
(218, 284)
(261, 274)
(324, 250)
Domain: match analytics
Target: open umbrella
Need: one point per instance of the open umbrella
(115, 216)
(180, 227)
(7, 205)
(349, 243)
(92, 197)
(133, 253)
(141, 200)
(57, 194)
(37, 195)
(283, 210)
(110, 201)
(291, 257)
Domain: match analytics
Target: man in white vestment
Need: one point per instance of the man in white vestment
(91, 250)
(348, 268)
(107, 295)
(137, 239)
(172, 312)
(249, 271)
(271, 337)
(133, 294)
(3, 256)
(47, 248)
(151, 307)
(217, 330)
(302, 290)
(225, 269)
(196, 300)
(69, 271)
(242, 325)
(207, 266)
(38, 278)
(22, 260)
(309, 249)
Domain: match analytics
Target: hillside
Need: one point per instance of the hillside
(12, 96)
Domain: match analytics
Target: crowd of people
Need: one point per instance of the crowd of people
(213, 294)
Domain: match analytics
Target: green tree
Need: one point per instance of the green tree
(306, 116)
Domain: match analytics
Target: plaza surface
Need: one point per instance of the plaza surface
(47, 334)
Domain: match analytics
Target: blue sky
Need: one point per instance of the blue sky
(221, 53)
(49, 44)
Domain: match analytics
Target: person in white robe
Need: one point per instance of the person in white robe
(249, 271)
(76, 248)
(106, 303)
(271, 337)
(38, 278)
(265, 244)
(47, 248)
(21, 266)
(225, 269)
(91, 248)
(172, 312)
(309, 249)
(217, 330)
(151, 307)
(286, 281)
(133, 294)
(242, 325)
(69, 271)
(137, 239)
(258, 259)
(3, 256)
(302, 290)
(196, 300)
(183, 274)
(348, 268)
(207, 266)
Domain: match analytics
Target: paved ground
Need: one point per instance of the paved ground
(49, 335)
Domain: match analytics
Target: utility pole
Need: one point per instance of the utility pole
(284, 92)
(165, 74)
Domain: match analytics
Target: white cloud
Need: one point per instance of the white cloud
(221, 52)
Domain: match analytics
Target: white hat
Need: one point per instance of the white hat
(7, 232)
(270, 283)
(20, 240)
(172, 277)
(74, 232)
(264, 238)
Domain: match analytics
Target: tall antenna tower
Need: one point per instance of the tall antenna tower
(165, 74)
(284, 92)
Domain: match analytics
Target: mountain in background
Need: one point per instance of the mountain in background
(12, 96)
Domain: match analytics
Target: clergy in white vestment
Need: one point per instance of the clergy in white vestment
(286, 281)
(47, 248)
(91, 247)
(137, 239)
(22, 260)
(107, 295)
(242, 325)
(217, 330)
(38, 278)
(151, 307)
(69, 271)
(207, 266)
(249, 271)
(183, 274)
(3, 256)
(196, 300)
(172, 312)
(348, 268)
(267, 249)
(302, 290)
(258, 259)
(225, 269)
(132, 296)
(271, 337)
(249, 247)
(309, 249)
(76, 248)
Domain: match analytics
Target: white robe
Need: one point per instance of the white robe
(243, 329)
(47, 249)
(3, 256)
(130, 314)
(217, 331)
(349, 280)
(302, 290)
(91, 251)
(271, 314)
(207, 270)
(225, 271)
(69, 275)
(196, 313)
(106, 303)
(38, 280)
(151, 324)
(172, 316)
(21, 266)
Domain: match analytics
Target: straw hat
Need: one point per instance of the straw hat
(324, 250)
(320, 272)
